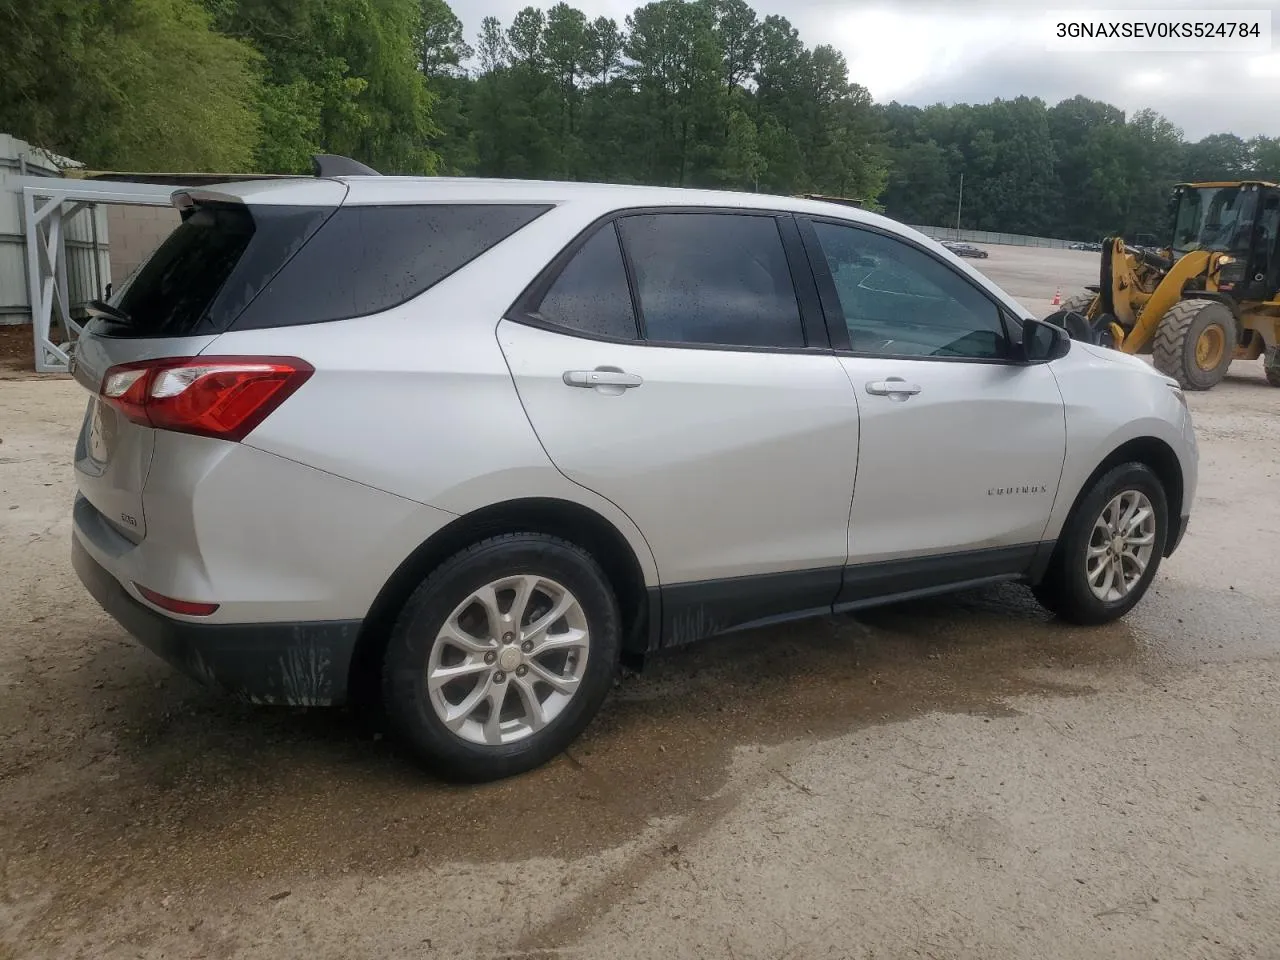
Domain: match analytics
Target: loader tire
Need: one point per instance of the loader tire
(1195, 343)
(1078, 304)
(1271, 367)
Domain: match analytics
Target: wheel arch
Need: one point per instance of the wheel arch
(1154, 453)
(548, 515)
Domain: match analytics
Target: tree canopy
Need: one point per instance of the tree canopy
(682, 92)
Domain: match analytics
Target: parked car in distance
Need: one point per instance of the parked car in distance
(466, 443)
(962, 249)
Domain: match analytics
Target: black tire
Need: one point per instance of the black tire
(1173, 351)
(405, 692)
(1065, 588)
(1078, 303)
(1077, 326)
(1271, 367)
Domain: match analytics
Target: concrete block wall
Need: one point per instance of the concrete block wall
(134, 233)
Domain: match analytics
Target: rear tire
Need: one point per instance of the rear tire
(1195, 343)
(1102, 534)
(464, 682)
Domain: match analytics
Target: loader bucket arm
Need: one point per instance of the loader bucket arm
(1165, 295)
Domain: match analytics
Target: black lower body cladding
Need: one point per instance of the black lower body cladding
(300, 664)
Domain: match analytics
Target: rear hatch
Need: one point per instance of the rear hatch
(192, 288)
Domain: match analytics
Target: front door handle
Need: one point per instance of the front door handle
(894, 387)
(601, 378)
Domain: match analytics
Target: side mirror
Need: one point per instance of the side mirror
(1043, 342)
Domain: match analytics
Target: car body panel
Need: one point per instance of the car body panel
(443, 388)
(971, 461)
(731, 462)
(1111, 399)
(267, 538)
(113, 454)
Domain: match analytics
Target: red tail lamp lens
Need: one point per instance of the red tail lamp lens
(221, 397)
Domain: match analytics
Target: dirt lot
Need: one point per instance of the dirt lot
(963, 778)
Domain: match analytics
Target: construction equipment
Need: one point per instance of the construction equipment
(1210, 296)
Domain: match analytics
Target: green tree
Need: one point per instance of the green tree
(604, 49)
(342, 77)
(1222, 156)
(493, 49)
(142, 85)
(437, 37)
(675, 66)
(1153, 154)
(1266, 158)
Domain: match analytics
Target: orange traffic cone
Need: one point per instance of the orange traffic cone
(1057, 297)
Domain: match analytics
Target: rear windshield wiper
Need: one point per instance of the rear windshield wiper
(100, 308)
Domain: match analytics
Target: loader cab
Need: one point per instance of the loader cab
(1239, 219)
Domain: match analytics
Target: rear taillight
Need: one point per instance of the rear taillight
(222, 397)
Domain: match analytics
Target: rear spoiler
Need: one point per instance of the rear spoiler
(322, 165)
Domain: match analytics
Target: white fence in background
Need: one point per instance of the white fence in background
(985, 236)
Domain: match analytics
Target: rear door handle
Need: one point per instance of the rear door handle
(601, 378)
(894, 387)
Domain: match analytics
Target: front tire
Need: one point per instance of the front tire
(1076, 329)
(1110, 548)
(1271, 367)
(1195, 343)
(502, 656)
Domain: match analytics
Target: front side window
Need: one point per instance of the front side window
(899, 301)
(712, 279)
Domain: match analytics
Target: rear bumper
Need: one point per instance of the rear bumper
(303, 664)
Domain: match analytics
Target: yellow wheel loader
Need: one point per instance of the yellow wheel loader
(1212, 295)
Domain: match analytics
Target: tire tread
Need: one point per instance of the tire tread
(1169, 346)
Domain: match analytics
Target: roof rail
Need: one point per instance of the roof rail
(332, 165)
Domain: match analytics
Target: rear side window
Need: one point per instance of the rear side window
(591, 295)
(212, 264)
(372, 258)
(713, 278)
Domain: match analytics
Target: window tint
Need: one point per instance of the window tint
(712, 278)
(371, 258)
(209, 267)
(899, 301)
(591, 294)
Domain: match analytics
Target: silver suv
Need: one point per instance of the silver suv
(467, 443)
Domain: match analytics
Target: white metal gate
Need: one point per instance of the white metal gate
(47, 204)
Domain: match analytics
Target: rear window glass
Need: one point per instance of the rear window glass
(271, 265)
(591, 295)
(211, 265)
(371, 258)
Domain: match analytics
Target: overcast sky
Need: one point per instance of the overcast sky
(931, 51)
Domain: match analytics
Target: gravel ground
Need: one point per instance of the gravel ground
(962, 778)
